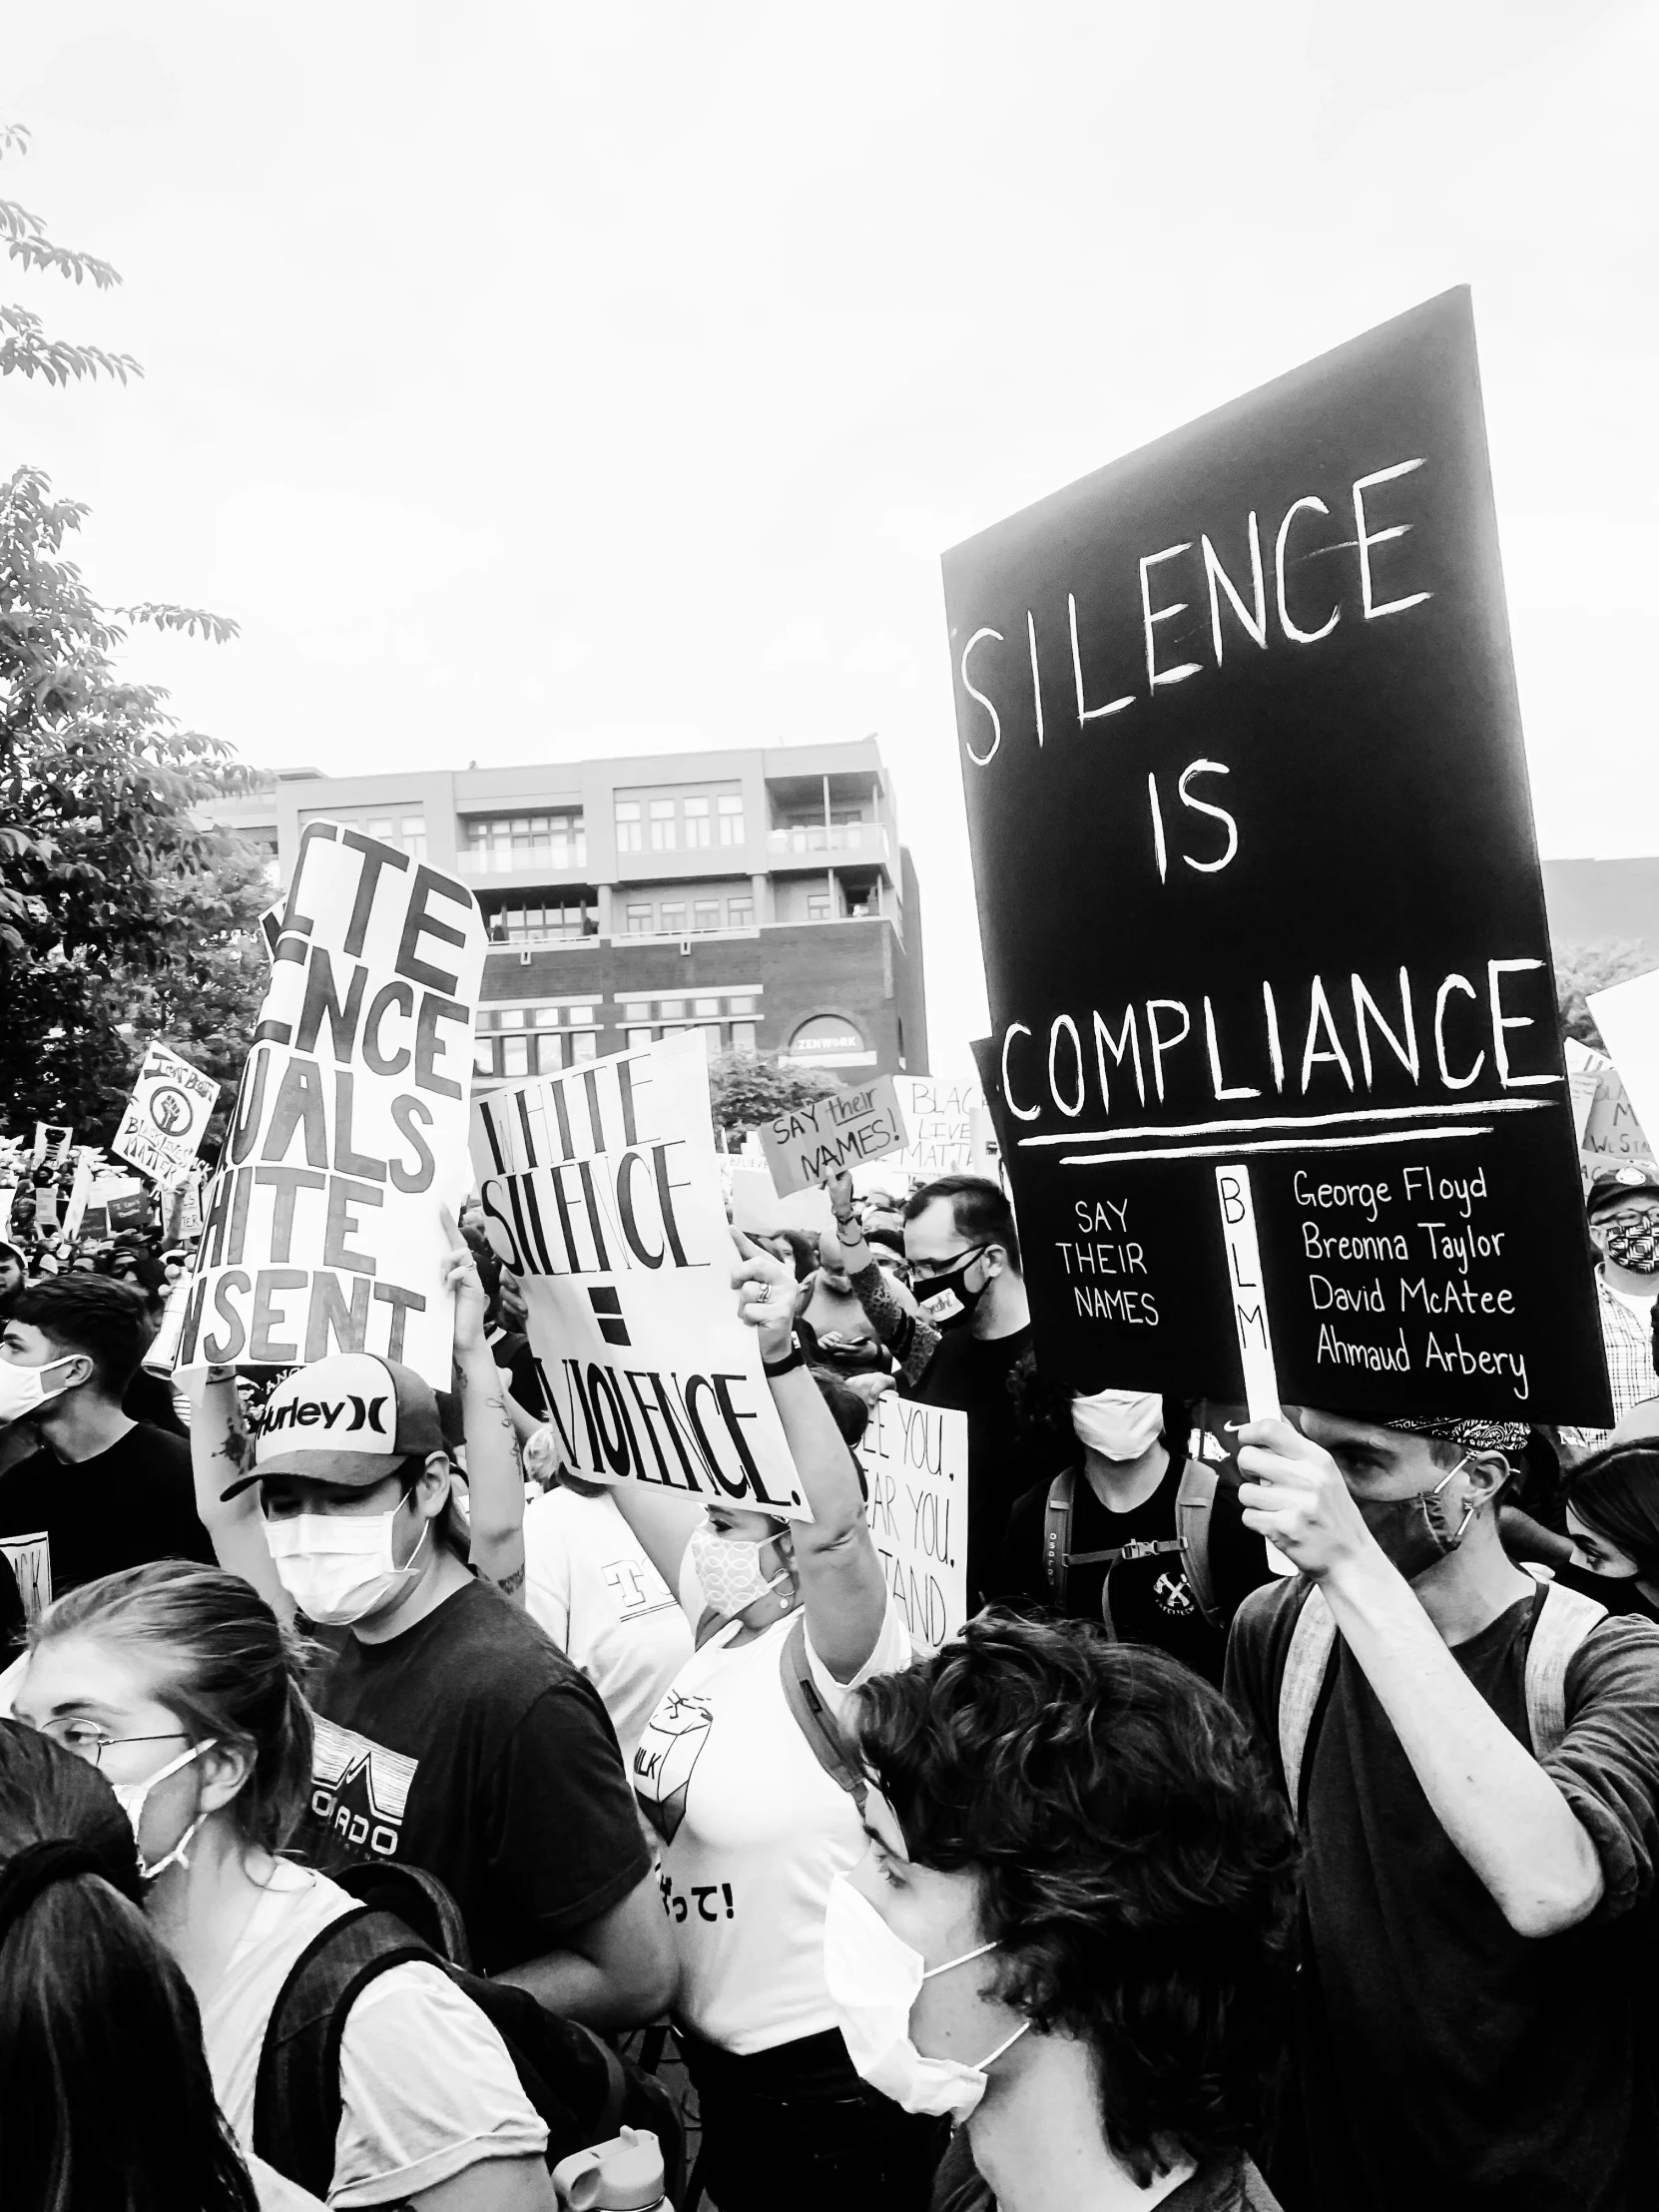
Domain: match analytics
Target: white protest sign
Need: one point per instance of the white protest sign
(948, 1125)
(758, 1209)
(50, 1141)
(166, 1115)
(30, 1559)
(80, 1190)
(1583, 1080)
(916, 1461)
(601, 1189)
(838, 1131)
(1627, 1097)
(322, 1228)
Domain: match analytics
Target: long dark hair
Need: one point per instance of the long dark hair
(1616, 1493)
(106, 2102)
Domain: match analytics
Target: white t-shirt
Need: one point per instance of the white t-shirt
(751, 1831)
(427, 2089)
(590, 1585)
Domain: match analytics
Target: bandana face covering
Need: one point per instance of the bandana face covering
(875, 1978)
(1634, 1244)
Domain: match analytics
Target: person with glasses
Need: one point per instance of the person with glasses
(962, 1348)
(181, 1687)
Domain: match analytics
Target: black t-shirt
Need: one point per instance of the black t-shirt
(120, 1508)
(1152, 1599)
(971, 1372)
(470, 1745)
(1444, 2057)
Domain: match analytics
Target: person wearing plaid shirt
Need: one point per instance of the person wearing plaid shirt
(1623, 1214)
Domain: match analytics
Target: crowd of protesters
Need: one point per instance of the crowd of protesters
(1170, 1880)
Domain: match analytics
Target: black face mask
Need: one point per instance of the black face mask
(1412, 1532)
(956, 1301)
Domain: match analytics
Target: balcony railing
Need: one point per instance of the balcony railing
(493, 859)
(867, 840)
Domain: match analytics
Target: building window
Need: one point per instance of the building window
(637, 1009)
(497, 842)
(559, 924)
(627, 834)
(697, 822)
(515, 1055)
(743, 1036)
(730, 819)
(483, 1056)
(408, 832)
(637, 1037)
(739, 914)
(639, 922)
(584, 1046)
(579, 1017)
(674, 917)
(664, 830)
(671, 1009)
(739, 1006)
(817, 906)
(705, 1006)
(705, 914)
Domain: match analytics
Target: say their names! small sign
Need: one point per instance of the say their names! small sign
(840, 1131)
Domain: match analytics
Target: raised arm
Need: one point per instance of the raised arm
(906, 1332)
(494, 1477)
(1497, 1805)
(220, 1450)
(842, 1588)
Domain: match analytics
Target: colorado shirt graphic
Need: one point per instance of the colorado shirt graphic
(359, 1789)
(668, 1750)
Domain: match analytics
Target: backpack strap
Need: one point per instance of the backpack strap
(297, 2092)
(416, 1898)
(1062, 1498)
(1307, 1663)
(815, 1719)
(1560, 1624)
(1195, 1502)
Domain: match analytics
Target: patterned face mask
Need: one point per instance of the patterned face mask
(1634, 1244)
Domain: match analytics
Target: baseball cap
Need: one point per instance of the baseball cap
(1614, 1185)
(347, 1420)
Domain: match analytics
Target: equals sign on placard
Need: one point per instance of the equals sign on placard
(606, 1307)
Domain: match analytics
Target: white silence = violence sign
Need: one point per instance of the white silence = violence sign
(601, 1189)
(322, 1228)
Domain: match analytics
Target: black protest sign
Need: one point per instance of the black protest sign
(1257, 883)
(321, 1229)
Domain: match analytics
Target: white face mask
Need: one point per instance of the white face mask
(23, 1390)
(1119, 1424)
(875, 1978)
(339, 1567)
(130, 1796)
(729, 1568)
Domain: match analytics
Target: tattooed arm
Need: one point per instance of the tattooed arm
(495, 1478)
(221, 1449)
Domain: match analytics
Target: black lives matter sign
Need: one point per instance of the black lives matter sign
(1257, 883)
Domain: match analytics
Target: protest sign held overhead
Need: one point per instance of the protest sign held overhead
(50, 1143)
(601, 1189)
(1247, 696)
(166, 1115)
(837, 1132)
(945, 1119)
(915, 1461)
(321, 1229)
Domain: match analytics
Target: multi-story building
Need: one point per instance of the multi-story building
(762, 898)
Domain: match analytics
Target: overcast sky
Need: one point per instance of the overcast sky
(533, 381)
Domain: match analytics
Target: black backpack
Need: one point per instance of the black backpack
(580, 2088)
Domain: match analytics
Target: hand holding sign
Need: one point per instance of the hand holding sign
(460, 1276)
(1296, 1497)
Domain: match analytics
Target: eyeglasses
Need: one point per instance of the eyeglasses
(90, 1742)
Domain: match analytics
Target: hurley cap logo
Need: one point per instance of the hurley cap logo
(346, 1404)
(347, 1415)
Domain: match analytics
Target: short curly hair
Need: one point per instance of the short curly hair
(1136, 1869)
